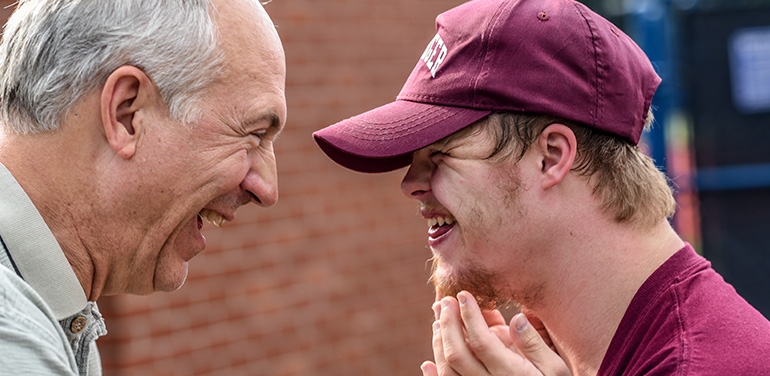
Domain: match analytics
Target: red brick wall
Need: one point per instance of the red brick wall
(6, 8)
(330, 281)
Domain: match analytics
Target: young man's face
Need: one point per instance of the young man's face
(478, 217)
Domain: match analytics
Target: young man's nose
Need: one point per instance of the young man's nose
(416, 182)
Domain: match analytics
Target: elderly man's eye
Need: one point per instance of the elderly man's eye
(260, 135)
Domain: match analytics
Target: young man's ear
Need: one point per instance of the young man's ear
(126, 95)
(558, 146)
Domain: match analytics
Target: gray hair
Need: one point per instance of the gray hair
(55, 51)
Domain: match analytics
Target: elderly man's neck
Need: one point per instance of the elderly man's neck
(61, 181)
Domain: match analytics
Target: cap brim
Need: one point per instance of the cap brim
(384, 138)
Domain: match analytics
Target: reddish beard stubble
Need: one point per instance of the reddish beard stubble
(473, 279)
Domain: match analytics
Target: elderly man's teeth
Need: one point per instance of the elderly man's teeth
(212, 217)
(440, 221)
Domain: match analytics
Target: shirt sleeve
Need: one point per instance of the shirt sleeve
(31, 341)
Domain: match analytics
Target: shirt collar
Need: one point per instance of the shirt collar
(35, 250)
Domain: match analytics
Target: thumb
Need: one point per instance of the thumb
(528, 341)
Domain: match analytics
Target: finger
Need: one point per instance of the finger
(442, 367)
(429, 368)
(492, 352)
(504, 335)
(436, 310)
(456, 352)
(493, 317)
(539, 326)
(532, 346)
(496, 323)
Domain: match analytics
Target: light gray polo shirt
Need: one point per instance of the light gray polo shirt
(47, 327)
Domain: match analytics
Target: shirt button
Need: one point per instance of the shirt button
(78, 324)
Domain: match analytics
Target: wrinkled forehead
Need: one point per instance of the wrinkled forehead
(254, 62)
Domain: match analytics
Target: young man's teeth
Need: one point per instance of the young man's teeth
(212, 217)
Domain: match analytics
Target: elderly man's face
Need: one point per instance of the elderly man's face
(478, 218)
(206, 170)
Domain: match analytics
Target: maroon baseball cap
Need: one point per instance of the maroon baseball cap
(553, 57)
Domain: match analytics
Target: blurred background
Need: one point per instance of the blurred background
(333, 279)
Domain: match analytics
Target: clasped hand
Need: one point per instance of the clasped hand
(468, 341)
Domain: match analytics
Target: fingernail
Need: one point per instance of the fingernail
(461, 298)
(520, 322)
(444, 304)
(436, 326)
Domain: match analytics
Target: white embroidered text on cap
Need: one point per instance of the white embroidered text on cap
(436, 45)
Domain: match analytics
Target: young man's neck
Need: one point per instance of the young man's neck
(583, 307)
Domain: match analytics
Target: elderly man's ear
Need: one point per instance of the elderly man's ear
(127, 97)
(557, 146)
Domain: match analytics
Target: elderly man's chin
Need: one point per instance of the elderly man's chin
(170, 272)
(173, 259)
(170, 280)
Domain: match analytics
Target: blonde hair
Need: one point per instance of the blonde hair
(626, 181)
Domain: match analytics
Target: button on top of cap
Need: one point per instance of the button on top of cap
(78, 324)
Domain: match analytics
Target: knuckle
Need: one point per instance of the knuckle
(455, 358)
(452, 356)
(480, 348)
(445, 370)
(532, 344)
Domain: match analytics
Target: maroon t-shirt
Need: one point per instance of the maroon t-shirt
(686, 320)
